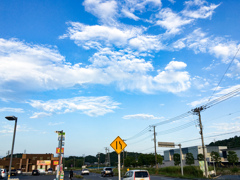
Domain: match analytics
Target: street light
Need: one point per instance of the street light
(12, 118)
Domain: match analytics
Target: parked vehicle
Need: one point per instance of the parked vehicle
(137, 175)
(3, 173)
(19, 171)
(50, 170)
(85, 171)
(107, 171)
(13, 172)
(35, 172)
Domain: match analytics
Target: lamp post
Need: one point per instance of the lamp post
(12, 118)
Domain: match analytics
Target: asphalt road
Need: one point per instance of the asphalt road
(94, 176)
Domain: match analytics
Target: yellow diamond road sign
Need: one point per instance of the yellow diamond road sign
(118, 145)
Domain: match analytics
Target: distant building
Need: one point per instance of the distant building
(236, 150)
(195, 150)
(29, 162)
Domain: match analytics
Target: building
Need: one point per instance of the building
(29, 162)
(195, 150)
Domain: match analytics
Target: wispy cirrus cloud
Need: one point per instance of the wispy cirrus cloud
(219, 92)
(55, 124)
(142, 117)
(91, 106)
(8, 109)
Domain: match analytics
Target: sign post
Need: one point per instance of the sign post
(118, 145)
(60, 151)
(172, 145)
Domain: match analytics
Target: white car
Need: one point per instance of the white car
(3, 173)
(137, 175)
(85, 171)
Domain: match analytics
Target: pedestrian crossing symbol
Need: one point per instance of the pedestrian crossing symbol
(118, 145)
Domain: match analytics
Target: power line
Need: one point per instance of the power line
(224, 74)
(178, 128)
(210, 136)
(144, 131)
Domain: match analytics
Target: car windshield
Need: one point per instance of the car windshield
(109, 169)
(141, 174)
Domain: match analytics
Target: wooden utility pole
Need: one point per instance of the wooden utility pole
(155, 147)
(197, 112)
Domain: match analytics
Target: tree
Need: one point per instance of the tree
(200, 157)
(176, 158)
(130, 161)
(189, 159)
(215, 156)
(232, 157)
(159, 159)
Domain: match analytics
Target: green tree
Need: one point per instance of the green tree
(189, 159)
(159, 159)
(176, 158)
(130, 161)
(232, 157)
(200, 157)
(215, 157)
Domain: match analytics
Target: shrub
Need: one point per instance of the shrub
(234, 170)
(192, 170)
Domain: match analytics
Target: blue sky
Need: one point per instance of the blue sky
(99, 69)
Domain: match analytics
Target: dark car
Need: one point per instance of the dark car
(35, 173)
(13, 172)
(107, 171)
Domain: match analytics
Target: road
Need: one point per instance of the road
(94, 176)
(91, 176)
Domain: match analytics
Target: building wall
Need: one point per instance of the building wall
(28, 162)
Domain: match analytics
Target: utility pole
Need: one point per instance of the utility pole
(123, 158)
(98, 159)
(109, 158)
(106, 156)
(197, 112)
(83, 159)
(155, 148)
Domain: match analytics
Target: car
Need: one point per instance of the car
(85, 171)
(107, 171)
(50, 170)
(3, 173)
(137, 175)
(19, 171)
(13, 172)
(35, 172)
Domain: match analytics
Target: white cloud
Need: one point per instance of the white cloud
(229, 126)
(55, 124)
(46, 69)
(6, 129)
(92, 106)
(203, 13)
(171, 21)
(200, 42)
(216, 95)
(174, 65)
(141, 116)
(129, 14)
(98, 36)
(141, 5)
(40, 115)
(106, 11)
(15, 110)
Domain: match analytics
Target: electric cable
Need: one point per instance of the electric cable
(224, 74)
(210, 136)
